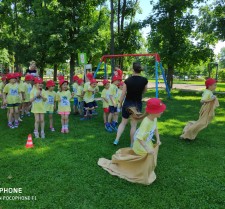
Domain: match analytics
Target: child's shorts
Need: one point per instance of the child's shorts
(75, 101)
(12, 105)
(126, 114)
(89, 105)
(106, 110)
(95, 103)
(64, 113)
(112, 109)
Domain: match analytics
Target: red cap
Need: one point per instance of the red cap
(105, 82)
(60, 77)
(75, 78)
(89, 76)
(119, 72)
(155, 106)
(28, 77)
(18, 74)
(10, 76)
(93, 81)
(50, 83)
(38, 80)
(116, 78)
(79, 81)
(3, 78)
(209, 82)
(61, 82)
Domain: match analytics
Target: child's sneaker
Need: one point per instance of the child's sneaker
(113, 126)
(63, 130)
(108, 128)
(42, 135)
(52, 129)
(116, 142)
(66, 130)
(36, 134)
(20, 120)
(11, 125)
(16, 124)
(22, 116)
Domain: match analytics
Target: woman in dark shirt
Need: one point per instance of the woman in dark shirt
(133, 89)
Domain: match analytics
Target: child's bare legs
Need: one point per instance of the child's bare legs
(36, 124)
(115, 117)
(51, 121)
(120, 130)
(133, 124)
(16, 116)
(110, 117)
(63, 123)
(105, 117)
(66, 123)
(10, 114)
(42, 122)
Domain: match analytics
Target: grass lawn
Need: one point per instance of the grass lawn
(62, 171)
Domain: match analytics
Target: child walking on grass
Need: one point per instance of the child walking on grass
(207, 112)
(28, 88)
(105, 100)
(137, 164)
(50, 104)
(63, 97)
(38, 98)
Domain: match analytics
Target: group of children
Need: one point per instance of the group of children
(23, 97)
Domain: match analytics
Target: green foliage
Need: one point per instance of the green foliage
(222, 75)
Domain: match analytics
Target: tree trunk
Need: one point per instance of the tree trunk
(41, 72)
(112, 36)
(170, 76)
(55, 72)
(72, 66)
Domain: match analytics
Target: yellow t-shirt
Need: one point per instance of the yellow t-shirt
(22, 89)
(63, 99)
(86, 85)
(13, 93)
(1, 86)
(145, 132)
(79, 93)
(50, 102)
(119, 93)
(105, 94)
(75, 88)
(28, 88)
(113, 91)
(38, 105)
(89, 96)
(207, 95)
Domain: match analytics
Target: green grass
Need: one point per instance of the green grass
(62, 171)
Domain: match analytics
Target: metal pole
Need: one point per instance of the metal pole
(156, 80)
(99, 65)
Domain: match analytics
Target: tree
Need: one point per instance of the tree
(222, 58)
(171, 29)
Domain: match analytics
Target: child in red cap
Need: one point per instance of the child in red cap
(80, 96)
(113, 101)
(105, 100)
(27, 90)
(74, 88)
(137, 164)
(50, 103)
(38, 98)
(11, 97)
(63, 97)
(209, 103)
(89, 99)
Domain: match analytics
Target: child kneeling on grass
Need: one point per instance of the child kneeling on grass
(206, 114)
(137, 164)
(38, 98)
(63, 97)
(50, 104)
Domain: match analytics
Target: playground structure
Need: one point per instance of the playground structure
(158, 64)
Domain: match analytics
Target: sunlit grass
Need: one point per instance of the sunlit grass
(62, 169)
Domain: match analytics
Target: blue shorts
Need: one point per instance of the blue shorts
(112, 109)
(75, 101)
(126, 104)
(95, 103)
(89, 105)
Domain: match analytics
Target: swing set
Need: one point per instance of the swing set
(158, 64)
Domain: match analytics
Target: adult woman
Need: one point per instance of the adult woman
(133, 89)
(32, 69)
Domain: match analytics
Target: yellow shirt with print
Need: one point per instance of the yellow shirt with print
(89, 95)
(105, 94)
(75, 88)
(50, 102)
(145, 132)
(113, 91)
(13, 93)
(80, 93)
(207, 95)
(28, 88)
(86, 86)
(38, 105)
(119, 93)
(63, 99)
